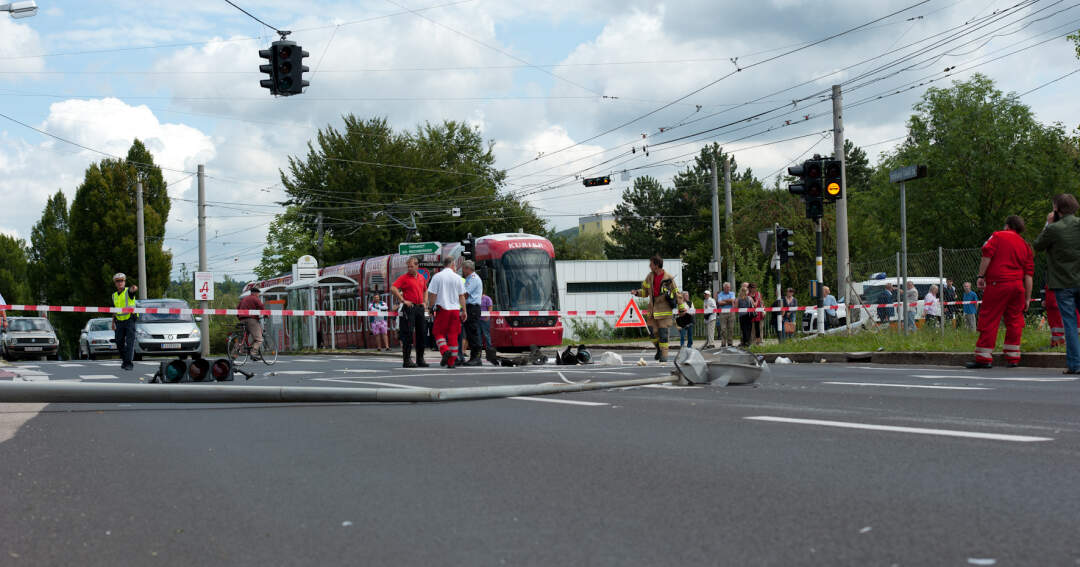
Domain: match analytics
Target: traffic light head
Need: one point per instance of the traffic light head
(286, 68)
(596, 181)
(834, 180)
(173, 371)
(469, 245)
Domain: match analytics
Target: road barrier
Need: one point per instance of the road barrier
(344, 313)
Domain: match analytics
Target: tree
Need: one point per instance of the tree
(289, 238)
(987, 158)
(369, 181)
(102, 219)
(50, 262)
(14, 285)
(857, 170)
(586, 246)
(639, 227)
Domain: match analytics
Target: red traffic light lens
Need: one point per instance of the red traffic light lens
(221, 369)
(285, 52)
(198, 369)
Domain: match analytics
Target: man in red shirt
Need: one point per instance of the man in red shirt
(252, 322)
(1005, 272)
(409, 290)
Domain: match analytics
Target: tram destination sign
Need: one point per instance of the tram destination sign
(414, 248)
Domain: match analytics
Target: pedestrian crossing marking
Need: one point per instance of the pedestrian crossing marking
(97, 377)
(631, 316)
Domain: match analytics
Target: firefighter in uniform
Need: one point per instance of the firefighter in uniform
(659, 287)
(123, 324)
(1005, 276)
(1053, 318)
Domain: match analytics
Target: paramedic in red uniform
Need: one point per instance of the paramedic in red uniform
(1005, 272)
(446, 295)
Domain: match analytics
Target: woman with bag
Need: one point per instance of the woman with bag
(789, 316)
(758, 316)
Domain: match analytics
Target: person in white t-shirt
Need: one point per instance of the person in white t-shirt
(446, 298)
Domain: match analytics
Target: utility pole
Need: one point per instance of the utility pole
(140, 227)
(727, 219)
(779, 288)
(842, 260)
(318, 221)
(204, 325)
(717, 259)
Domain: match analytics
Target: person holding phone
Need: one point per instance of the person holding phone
(1060, 239)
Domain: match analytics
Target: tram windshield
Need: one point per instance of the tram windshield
(526, 280)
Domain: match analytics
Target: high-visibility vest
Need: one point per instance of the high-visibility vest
(121, 300)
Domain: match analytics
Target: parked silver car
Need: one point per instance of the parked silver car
(28, 337)
(165, 334)
(97, 338)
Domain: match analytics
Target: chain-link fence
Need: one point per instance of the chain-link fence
(946, 274)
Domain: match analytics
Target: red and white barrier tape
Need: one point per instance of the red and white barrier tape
(341, 313)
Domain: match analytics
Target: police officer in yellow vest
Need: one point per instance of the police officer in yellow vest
(659, 286)
(124, 323)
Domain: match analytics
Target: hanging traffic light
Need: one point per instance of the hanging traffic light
(834, 180)
(596, 181)
(286, 68)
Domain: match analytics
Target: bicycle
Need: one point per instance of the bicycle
(238, 346)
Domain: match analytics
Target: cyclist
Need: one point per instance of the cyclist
(252, 323)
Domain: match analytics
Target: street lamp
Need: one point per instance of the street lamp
(23, 9)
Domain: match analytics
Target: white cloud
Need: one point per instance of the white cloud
(31, 172)
(20, 41)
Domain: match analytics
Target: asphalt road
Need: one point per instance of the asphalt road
(815, 465)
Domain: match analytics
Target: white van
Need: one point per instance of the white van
(870, 291)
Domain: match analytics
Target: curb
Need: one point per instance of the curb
(1029, 360)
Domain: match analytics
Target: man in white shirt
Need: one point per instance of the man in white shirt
(446, 298)
(710, 319)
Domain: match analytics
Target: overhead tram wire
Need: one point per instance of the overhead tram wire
(782, 91)
(718, 80)
(218, 41)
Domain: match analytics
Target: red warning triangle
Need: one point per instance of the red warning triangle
(631, 317)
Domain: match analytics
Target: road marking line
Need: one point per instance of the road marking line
(357, 370)
(556, 401)
(350, 381)
(97, 377)
(897, 429)
(907, 386)
(1001, 378)
(70, 365)
(296, 372)
(303, 360)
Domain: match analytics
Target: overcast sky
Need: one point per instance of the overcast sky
(562, 89)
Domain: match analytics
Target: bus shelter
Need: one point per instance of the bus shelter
(316, 294)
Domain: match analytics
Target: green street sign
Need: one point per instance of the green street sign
(415, 248)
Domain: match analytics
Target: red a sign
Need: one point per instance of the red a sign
(631, 317)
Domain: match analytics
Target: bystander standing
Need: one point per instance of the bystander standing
(1060, 238)
(970, 307)
(726, 300)
(709, 305)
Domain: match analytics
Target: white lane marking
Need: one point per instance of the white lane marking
(557, 401)
(907, 386)
(368, 382)
(304, 360)
(27, 366)
(357, 370)
(407, 387)
(897, 429)
(296, 372)
(70, 365)
(97, 377)
(1001, 378)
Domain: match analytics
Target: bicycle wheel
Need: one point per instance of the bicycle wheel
(234, 349)
(269, 349)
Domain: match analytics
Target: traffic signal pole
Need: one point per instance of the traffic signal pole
(715, 231)
(727, 220)
(820, 277)
(141, 228)
(204, 325)
(842, 259)
(779, 287)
